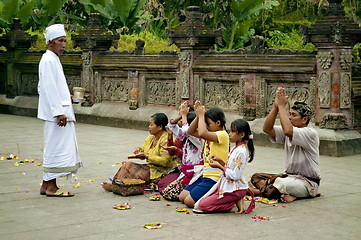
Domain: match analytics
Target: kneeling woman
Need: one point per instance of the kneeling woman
(159, 162)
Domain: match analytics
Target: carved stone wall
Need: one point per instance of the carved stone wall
(161, 92)
(114, 87)
(221, 92)
(345, 92)
(298, 93)
(28, 84)
(324, 89)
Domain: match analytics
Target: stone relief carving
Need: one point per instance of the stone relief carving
(89, 44)
(197, 82)
(300, 94)
(337, 31)
(312, 92)
(29, 84)
(98, 88)
(324, 90)
(345, 93)
(225, 96)
(184, 60)
(185, 83)
(334, 121)
(86, 56)
(73, 81)
(161, 92)
(114, 89)
(242, 96)
(260, 97)
(345, 60)
(325, 59)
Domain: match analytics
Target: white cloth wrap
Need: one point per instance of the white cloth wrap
(54, 31)
(61, 156)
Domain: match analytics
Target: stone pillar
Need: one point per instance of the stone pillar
(16, 41)
(92, 40)
(191, 36)
(334, 35)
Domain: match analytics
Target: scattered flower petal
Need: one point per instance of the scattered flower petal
(181, 210)
(154, 198)
(76, 186)
(153, 225)
(122, 206)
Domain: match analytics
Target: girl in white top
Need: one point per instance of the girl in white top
(232, 186)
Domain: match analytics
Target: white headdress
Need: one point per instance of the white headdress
(54, 31)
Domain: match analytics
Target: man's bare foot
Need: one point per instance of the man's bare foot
(241, 207)
(43, 188)
(107, 186)
(287, 198)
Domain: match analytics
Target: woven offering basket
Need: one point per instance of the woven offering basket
(128, 187)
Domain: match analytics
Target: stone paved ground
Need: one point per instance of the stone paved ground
(25, 214)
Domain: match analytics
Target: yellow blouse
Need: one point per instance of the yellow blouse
(159, 160)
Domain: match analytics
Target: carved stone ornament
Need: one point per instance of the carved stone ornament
(324, 90)
(312, 92)
(345, 60)
(185, 83)
(337, 30)
(29, 84)
(86, 56)
(325, 59)
(161, 92)
(242, 95)
(89, 44)
(225, 96)
(334, 121)
(114, 89)
(260, 97)
(184, 59)
(345, 93)
(295, 94)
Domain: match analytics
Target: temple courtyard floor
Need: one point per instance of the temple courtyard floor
(25, 214)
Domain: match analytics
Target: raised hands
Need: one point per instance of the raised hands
(199, 109)
(183, 109)
(281, 98)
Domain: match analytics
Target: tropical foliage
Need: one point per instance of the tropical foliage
(277, 20)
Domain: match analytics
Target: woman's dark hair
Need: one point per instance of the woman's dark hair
(160, 119)
(242, 126)
(216, 114)
(190, 117)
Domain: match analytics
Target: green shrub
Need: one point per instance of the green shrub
(356, 53)
(153, 44)
(291, 40)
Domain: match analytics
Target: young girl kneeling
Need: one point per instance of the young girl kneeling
(232, 186)
(210, 126)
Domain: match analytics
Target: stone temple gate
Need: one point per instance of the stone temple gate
(124, 88)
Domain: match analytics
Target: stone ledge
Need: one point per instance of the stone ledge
(335, 143)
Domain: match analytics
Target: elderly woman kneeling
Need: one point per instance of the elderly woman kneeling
(159, 162)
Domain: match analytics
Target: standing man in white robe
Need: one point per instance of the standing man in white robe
(61, 156)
